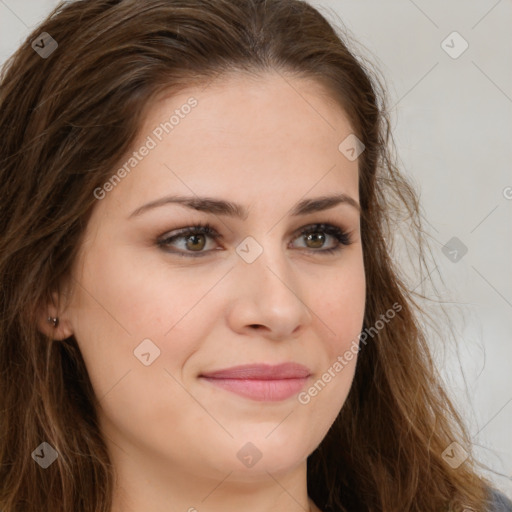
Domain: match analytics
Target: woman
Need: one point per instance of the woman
(200, 310)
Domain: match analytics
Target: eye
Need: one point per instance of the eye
(315, 236)
(194, 239)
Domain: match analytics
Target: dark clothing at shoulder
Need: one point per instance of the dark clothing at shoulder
(498, 502)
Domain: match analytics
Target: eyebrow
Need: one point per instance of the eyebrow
(221, 207)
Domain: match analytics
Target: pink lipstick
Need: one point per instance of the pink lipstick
(261, 382)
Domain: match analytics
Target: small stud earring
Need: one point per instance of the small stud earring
(54, 321)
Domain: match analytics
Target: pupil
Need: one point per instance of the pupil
(319, 239)
(194, 237)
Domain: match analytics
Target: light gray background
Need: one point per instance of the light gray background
(452, 122)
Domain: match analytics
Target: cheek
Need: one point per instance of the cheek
(141, 297)
(341, 308)
(126, 314)
(136, 333)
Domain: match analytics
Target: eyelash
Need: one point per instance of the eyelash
(339, 234)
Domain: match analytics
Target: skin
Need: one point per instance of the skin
(265, 143)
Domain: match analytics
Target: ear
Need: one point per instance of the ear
(63, 329)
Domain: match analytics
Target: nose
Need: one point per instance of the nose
(267, 296)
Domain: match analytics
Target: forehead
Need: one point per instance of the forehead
(271, 104)
(244, 134)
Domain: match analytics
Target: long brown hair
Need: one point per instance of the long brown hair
(59, 110)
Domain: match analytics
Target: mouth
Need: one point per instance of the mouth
(261, 382)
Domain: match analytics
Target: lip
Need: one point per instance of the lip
(261, 372)
(261, 382)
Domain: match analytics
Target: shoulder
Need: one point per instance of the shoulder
(498, 502)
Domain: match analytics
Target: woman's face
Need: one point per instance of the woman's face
(152, 320)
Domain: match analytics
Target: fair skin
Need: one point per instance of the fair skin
(172, 436)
